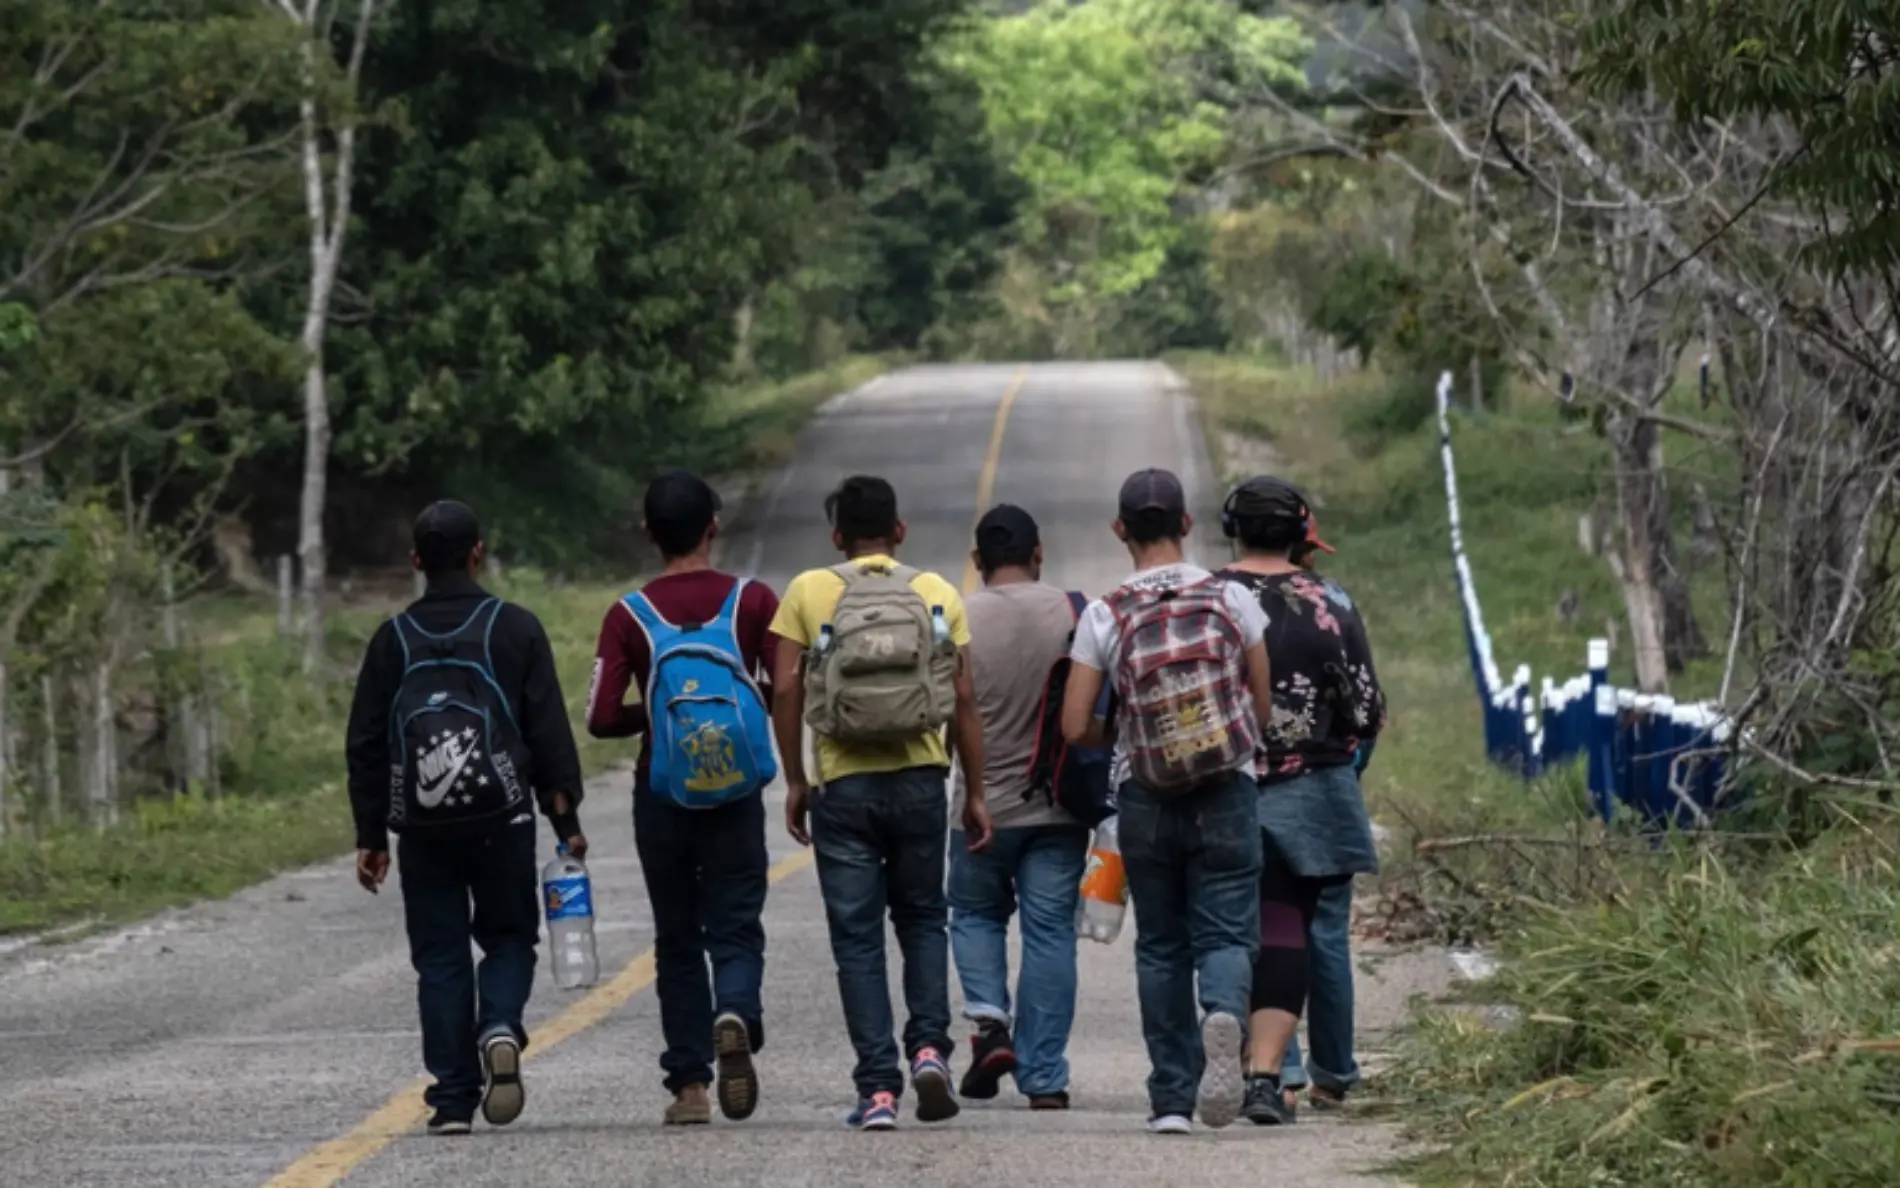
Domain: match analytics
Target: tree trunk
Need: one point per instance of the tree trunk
(1640, 554)
(327, 207)
(310, 503)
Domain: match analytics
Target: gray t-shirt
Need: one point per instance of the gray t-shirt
(1017, 633)
(1098, 640)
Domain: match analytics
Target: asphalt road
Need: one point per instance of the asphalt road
(272, 1037)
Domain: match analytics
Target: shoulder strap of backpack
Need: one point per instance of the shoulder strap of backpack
(658, 627)
(729, 615)
(1078, 602)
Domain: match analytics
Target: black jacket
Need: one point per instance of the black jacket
(524, 667)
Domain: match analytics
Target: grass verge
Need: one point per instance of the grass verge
(1717, 1013)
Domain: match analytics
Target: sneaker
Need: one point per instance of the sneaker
(1058, 1100)
(1170, 1124)
(450, 1122)
(689, 1107)
(876, 1112)
(1222, 1085)
(992, 1057)
(502, 1092)
(738, 1081)
(930, 1080)
(1266, 1103)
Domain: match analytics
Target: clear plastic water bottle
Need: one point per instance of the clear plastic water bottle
(824, 639)
(1104, 899)
(939, 626)
(569, 896)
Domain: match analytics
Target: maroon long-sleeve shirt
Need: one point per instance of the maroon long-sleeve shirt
(624, 659)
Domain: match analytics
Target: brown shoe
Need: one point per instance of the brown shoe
(1049, 1101)
(690, 1107)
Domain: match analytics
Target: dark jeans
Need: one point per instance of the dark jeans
(706, 876)
(462, 884)
(1194, 875)
(879, 839)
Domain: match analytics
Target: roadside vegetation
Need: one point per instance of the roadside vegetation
(1711, 1010)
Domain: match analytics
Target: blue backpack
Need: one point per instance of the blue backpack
(708, 733)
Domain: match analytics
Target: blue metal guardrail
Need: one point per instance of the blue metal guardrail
(1664, 760)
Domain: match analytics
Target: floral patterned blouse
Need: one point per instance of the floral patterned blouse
(1326, 695)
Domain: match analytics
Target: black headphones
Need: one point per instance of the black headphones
(1230, 523)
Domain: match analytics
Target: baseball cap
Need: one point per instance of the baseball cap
(681, 497)
(1004, 529)
(1266, 497)
(446, 532)
(1153, 489)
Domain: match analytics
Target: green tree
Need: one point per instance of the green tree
(564, 216)
(1102, 110)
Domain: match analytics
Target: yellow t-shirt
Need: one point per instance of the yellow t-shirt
(807, 606)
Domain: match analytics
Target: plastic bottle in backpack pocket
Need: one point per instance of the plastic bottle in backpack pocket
(568, 895)
(1104, 899)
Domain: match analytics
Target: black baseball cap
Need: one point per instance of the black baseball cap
(681, 497)
(1006, 528)
(446, 533)
(1266, 497)
(1153, 489)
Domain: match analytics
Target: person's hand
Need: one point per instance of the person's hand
(372, 867)
(977, 829)
(577, 847)
(797, 808)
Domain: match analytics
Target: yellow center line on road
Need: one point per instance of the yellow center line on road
(986, 483)
(331, 1162)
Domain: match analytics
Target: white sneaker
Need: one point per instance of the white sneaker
(1171, 1124)
(1223, 1080)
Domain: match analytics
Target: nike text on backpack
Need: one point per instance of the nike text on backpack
(1075, 779)
(884, 669)
(708, 733)
(1187, 711)
(454, 744)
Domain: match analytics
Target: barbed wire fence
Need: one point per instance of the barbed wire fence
(1667, 762)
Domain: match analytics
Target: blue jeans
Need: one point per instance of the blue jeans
(706, 875)
(879, 839)
(443, 872)
(1329, 1003)
(1194, 875)
(1038, 867)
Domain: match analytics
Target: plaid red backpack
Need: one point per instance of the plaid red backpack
(1187, 713)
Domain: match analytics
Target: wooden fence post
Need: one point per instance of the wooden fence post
(6, 750)
(286, 594)
(49, 752)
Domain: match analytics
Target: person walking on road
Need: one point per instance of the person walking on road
(872, 655)
(1020, 629)
(1315, 836)
(1185, 654)
(457, 721)
(696, 643)
(1330, 1022)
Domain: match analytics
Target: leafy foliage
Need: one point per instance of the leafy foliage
(1099, 109)
(1827, 68)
